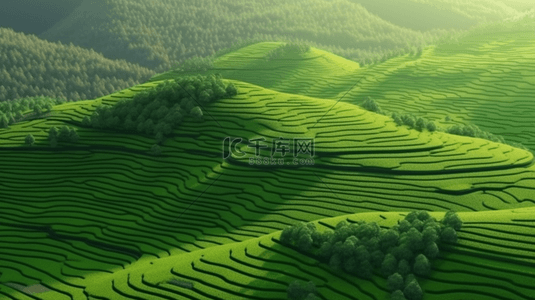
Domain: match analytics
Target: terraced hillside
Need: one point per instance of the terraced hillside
(486, 79)
(492, 261)
(97, 212)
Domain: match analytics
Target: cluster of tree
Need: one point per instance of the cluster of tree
(300, 290)
(420, 124)
(400, 252)
(33, 67)
(369, 104)
(287, 48)
(159, 110)
(64, 134)
(13, 111)
(411, 121)
(474, 131)
(158, 33)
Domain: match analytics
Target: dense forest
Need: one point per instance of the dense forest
(159, 33)
(33, 67)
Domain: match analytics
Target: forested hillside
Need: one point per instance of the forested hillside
(30, 67)
(158, 33)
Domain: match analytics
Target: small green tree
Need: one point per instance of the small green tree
(304, 243)
(422, 266)
(413, 291)
(431, 250)
(449, 235)
(286, 235)
(404, 267)
(395, 282)
(160, 138)
(420, 124)
(53, 136)
(53, 133)
(156, 150)
(398, 295)
(64, 134)
(73, 135)
(231, 90)
(86, 121)
(196, 113)
(451, 219)
(335, 262)
(408, 120)
(37, 109)
(29, 140)
(389, 265)
(312, 296)
(325, 251)
(370, 105)
(397, 119)
(429, 235)
(431, 126)
(4, 122)
(300, 290)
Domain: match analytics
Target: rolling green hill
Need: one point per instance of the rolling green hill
(484, 79)
(97, 213)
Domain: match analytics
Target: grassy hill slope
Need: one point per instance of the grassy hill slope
(30, 66)
(104, 205)
(484, 79)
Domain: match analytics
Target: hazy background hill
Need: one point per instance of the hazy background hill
(447, 14)
(31, 16)
(158, 33)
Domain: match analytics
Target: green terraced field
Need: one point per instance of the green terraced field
(487, 79)
(103, 219)
(261, 268)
